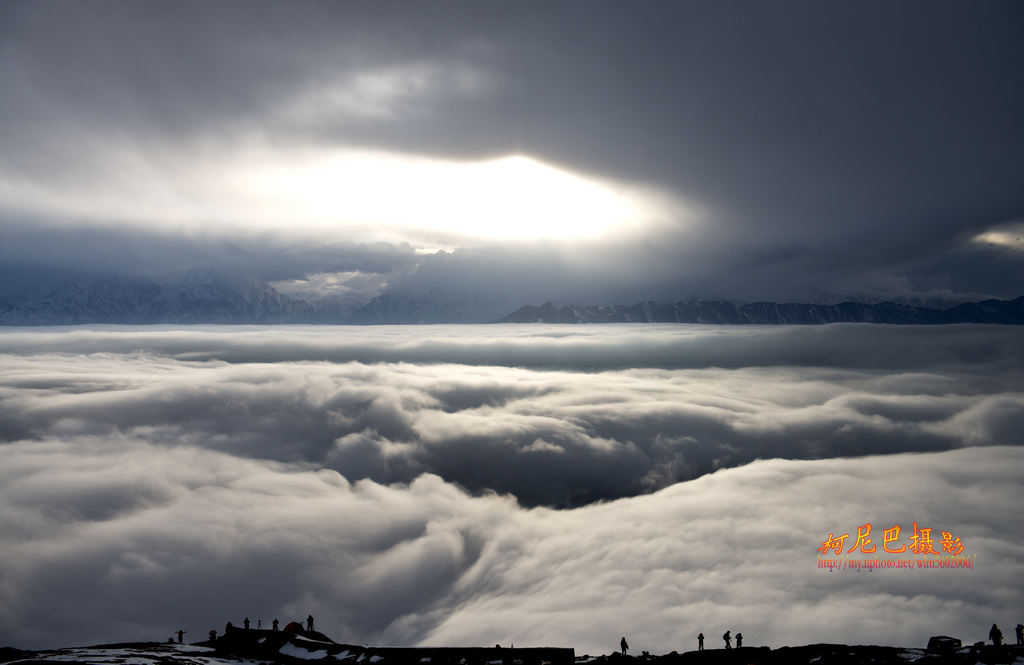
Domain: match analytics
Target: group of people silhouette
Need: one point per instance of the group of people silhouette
(996, 635)
(229, 627)
(727, 637)
(624, 647)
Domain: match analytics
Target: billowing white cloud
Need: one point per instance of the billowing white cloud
(393, 481)
(574, 425)
(113, 538)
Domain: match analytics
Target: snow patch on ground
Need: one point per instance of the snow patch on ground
(911, 654)
(192, 648)
(311, 640)
(298, 652)
(158, 654)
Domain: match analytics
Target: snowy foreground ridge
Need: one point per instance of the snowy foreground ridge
(262, 647)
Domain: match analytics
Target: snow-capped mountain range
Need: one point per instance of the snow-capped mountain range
(727, 313)
(212, 298)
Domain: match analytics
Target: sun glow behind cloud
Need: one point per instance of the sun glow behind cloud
(374, 195)
(514, 197)
(1007, 236)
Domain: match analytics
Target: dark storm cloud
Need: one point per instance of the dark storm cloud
(191, 538)
(834, 149)
(984, 265)
(553, 416)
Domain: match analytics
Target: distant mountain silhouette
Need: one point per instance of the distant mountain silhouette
(205, 296)
(727, 313)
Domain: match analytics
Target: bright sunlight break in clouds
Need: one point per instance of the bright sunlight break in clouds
(591, 153)
(376, 195)
(508, 198)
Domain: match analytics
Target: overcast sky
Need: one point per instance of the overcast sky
(592, 152)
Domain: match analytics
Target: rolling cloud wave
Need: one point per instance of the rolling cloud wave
(533, 485)
(111, 539)
(566, 426)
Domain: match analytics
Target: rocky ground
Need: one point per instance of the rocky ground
(264, 647)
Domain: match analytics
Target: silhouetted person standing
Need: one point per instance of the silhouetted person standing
(275, 624)
(739, 640)
(245, 623)
(213, 635)
(995, 635)
(181, 633)
(309, 623)
(623, 646)
(728, 639)
(1020, 633)
(700, 642)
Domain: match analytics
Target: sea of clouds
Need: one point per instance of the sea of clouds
(536, 485)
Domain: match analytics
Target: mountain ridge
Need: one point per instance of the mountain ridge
(1010, 312)
(207, 297)
(119, 299)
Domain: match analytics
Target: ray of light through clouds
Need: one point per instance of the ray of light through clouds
(389, 196)
(533, 484)
(327, 194)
